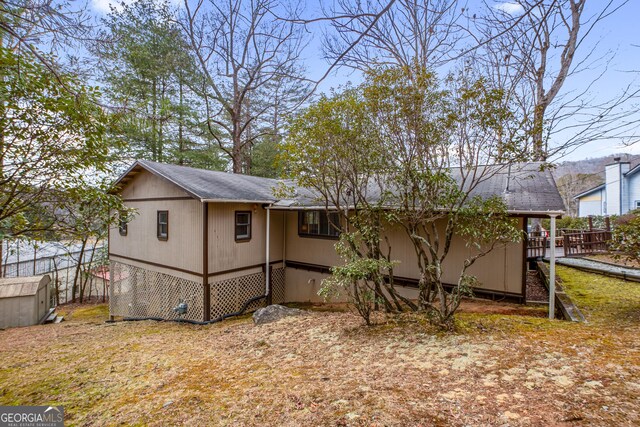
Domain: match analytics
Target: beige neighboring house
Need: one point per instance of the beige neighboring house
(221, 243)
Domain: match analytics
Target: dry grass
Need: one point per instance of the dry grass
(511, 367)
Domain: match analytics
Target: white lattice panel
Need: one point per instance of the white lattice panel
(228, 296)
(140, 293)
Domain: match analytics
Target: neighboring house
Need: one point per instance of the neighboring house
(619, 194)
(206, 238)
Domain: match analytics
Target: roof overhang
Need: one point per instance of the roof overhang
(589, 191)
(521, 213)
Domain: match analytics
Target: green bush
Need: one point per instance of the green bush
(626, 235)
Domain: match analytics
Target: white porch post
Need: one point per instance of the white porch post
(552, 268)
(266, 266)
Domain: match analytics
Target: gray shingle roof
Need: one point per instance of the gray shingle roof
(210, 185)
(524, 186)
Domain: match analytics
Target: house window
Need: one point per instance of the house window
(243, 226)
(163, 225)
(319, 224)
(122, 224)
(637, 204)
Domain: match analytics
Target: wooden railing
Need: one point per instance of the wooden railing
(586, 242)
(536, 246)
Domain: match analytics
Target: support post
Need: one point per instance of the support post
(206, 295)
(112, 281)
(267, 270)
(525, 246)
(552, 269)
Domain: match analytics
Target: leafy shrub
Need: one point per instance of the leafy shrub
(626, 235)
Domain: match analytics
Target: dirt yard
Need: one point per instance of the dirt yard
(505, 365)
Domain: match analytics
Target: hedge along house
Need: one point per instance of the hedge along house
(222, 243)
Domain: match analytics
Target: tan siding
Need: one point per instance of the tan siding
(165, 270)
(303, 286)
(225, 253)
(500, 270)
(147, 185)
(308, 249)
(182, 250)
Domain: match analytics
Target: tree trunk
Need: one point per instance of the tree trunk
(539, 147)
(74, 288)
(181, 148)
(87, 277)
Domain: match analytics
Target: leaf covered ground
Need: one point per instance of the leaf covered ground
(505, 365)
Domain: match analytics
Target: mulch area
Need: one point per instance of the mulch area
(536, 290)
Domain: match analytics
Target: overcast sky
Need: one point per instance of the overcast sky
(618, 34)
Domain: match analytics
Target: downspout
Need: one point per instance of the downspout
(206, 306)
(552, 268)
(267, 285)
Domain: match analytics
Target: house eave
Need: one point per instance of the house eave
(514, 212)
(262, 202)
(589, 191)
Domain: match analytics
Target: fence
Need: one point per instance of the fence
(141, 293)
(536, 246)
(61, 266)
(586, 242)
(45, 264)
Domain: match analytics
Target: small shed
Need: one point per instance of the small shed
(24, 301)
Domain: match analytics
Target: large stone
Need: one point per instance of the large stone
(274, 313)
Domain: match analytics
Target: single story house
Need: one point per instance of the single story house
(206, 244)
(619, 194)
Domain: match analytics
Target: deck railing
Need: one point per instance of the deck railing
(586, 242)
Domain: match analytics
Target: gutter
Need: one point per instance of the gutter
(323, 207)
(264, 202)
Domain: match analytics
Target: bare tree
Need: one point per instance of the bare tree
(408, 31)
(531, 49)
(46, 29)
(241, 47)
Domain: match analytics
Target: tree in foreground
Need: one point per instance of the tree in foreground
(51, 141)
(406, 151)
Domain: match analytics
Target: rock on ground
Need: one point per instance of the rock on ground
(273, 313)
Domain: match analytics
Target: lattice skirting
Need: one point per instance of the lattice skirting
(229, 295)
(140, 293)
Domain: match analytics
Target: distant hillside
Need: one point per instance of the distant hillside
(577, 176)
(593, 165)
